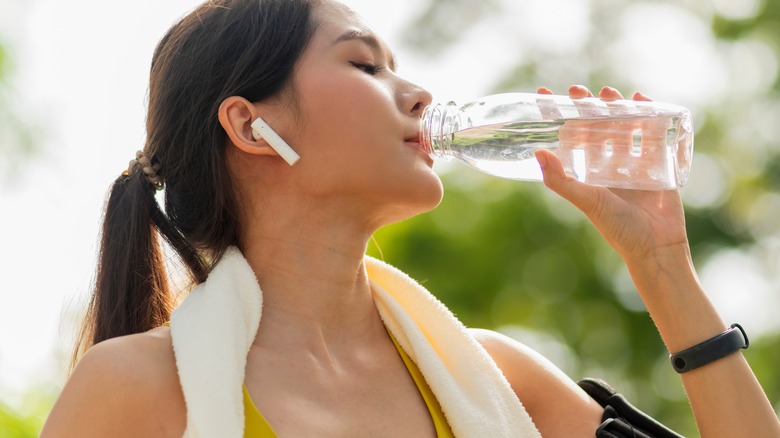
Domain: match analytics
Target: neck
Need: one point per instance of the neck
(316, 294)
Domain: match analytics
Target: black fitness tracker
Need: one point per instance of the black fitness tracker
(710, 350)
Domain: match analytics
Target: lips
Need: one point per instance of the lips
(414, 142)
(415, 138)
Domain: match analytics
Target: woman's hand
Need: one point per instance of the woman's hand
(636, 223)
(647, 228)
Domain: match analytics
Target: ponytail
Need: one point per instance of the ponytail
(131, 292)
(223, 48)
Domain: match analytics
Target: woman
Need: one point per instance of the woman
(329, 354)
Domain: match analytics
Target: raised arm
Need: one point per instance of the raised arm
(648, 230)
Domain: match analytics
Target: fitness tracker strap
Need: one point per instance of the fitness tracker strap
(710, 350)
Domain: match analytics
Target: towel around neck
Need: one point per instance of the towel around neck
(213, 329)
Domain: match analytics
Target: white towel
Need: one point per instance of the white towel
(214, 327)
(212, 331)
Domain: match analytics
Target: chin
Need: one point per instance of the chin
(436, 195)
(427, 196)
(427, 190)
(418, 193)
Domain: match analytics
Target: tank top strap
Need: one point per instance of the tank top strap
(256, 425)
(443, 429)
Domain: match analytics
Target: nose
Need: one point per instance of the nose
(416, 100)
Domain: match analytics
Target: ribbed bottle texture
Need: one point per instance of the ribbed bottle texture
(621, 144)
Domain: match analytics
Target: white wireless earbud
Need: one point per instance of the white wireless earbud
(260, 129)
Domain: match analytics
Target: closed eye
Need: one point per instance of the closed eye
(371, 69)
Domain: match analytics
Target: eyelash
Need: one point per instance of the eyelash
(371, 69)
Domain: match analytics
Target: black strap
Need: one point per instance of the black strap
(710, 350)
(621, 419)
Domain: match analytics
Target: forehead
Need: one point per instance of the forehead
(335, 17)
(336, 21)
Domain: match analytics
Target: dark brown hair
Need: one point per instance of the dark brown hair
(223, 48)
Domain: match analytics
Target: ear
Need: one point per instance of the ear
(236, 115)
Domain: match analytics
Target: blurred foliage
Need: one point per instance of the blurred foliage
(511, 256)
(438, 27)
(23, 419)
(17, 145)
(26, 418)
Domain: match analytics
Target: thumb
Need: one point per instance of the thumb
(581, 195)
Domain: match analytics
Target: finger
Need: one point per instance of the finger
(653, 144)
(619, 161)
(615, 101)
(579, 92)
(585, 133)
(641, 97)
(586, 109)
(613, 97)
(547, 107)
(609, 94)
(555, 178)
(653, 139)
(552, 169)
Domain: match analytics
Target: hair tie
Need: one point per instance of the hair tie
(150, 170)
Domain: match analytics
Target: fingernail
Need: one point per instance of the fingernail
(579, 92)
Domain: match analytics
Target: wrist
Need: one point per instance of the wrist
(669, 286)
(667, 260)
(711, 350)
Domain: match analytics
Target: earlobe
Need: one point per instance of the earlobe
(248, 132)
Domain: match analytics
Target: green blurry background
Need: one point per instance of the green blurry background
(513, 257)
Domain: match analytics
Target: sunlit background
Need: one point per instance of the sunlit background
(72, 99)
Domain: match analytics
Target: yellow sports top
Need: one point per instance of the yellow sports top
(257, 426)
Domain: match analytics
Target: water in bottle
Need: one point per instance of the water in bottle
(623, 144)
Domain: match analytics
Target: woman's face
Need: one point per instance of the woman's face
(357, 123)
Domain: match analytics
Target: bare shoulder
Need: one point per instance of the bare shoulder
(126, 386)
(553, 400)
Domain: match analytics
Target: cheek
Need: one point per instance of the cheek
(353, 132)
(346, 109)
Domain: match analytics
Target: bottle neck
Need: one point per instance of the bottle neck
(437, 125)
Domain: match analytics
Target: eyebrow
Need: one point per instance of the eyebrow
(369, 39)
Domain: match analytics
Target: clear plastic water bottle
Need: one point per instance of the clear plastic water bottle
(622, 144)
